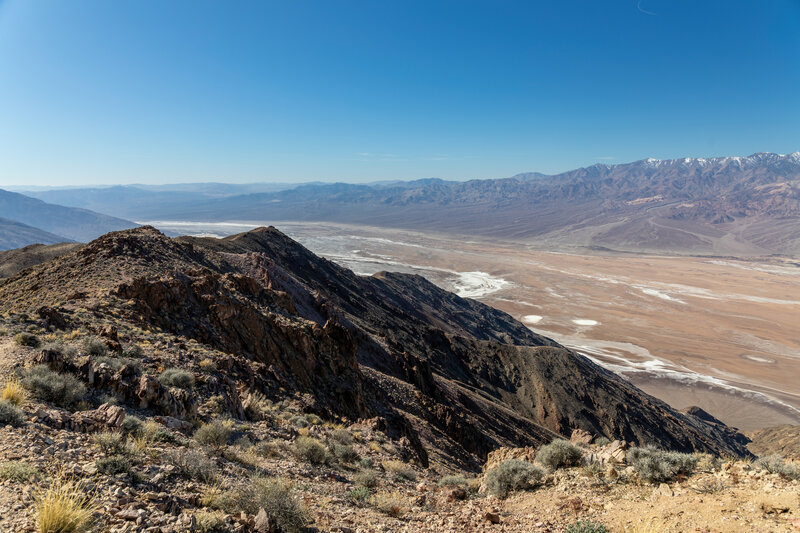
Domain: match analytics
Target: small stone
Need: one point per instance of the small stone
(493, 518)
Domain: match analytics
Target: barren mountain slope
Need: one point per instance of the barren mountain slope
(453, 376)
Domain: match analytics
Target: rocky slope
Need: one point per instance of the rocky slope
(454, 378)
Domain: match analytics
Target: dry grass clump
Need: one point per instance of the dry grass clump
(453, 481)
(111, 442)
(27, 339)
(586, 526)
(311, 450)
(210, 521)
(65, 507)
(215, 434)
(511, 475)
(390, 503)
(192, 464)
(559, 454)
(366, 478)
(402, 471)
(13, 392)
(274, 495)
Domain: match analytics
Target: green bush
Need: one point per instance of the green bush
(299, 422)
(132, 425)
(311, 450)
(775, 464)
(659, 466)
(63, 390)
(586, 526)
(11, 414)
(341, 436)
(18, 471)
(453, 481)
(559, 454)
(95, 347)
(511, 475)
(192, 464)
(177, 377)
(215, 434)
(27, 339)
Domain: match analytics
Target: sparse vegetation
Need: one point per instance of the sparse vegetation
(775, 464)
(11, 414)
(132, 425)
(366, 478)
(63, 390)
(453, 481)
(402, 471)
(586, 526)
(13, 392)
(659, 466)
(177, 377)
(65, 507)
(116, 464)
(390, 503)
(344, 453)
(511, 475)
(18, 471)
(214, 434)
(192, 464)
(111, 442)
(27, 339)
(210, 521)
(95, 347)
(559, 454)
(274, 495)
(311, 450)
(359, 495)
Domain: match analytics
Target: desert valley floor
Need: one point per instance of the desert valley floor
(723, 334)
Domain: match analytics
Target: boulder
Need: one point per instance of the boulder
(581, 437)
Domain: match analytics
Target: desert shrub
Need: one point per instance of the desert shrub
(133, 351)
(155, 432)
(117, 363)
(27, 339)
(132, 425)
(116, 464)
(402, 471)
(210, 521)
(274, 495)
(511, 475)
(344, 453)
(313, 419)
(272, 449)
(13, 392)
(177, 377)
(215, 434)
(593, 469)
(359, 495)
(207, 365)
(559, 454)
(192, 464)
(11, 414)
(366, 478)
(390, 503)
(602, 441)
(341, 436)
(659, 466)
(366, 462)
(299, 421)
(453, 481)
(63, 390)
(255, 405)
(775, 464)
(18, 471)
(65, 507)
(586, 526)
(311, 450)
(95, 347)
(111, 442)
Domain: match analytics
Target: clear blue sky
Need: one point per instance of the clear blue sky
(118, 91)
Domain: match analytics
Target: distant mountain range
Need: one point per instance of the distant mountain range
(722, 206)
(27, 220)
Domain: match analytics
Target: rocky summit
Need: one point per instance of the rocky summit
(245, 384)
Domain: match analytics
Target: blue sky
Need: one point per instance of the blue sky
(155, 91)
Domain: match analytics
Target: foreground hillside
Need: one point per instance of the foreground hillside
(244, 384)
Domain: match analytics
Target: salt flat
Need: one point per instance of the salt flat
(722, 334)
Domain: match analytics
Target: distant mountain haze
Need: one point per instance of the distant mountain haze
(67, 223)
(16, 235)
(722, 206)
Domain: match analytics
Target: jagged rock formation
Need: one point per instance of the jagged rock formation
(452, 376)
